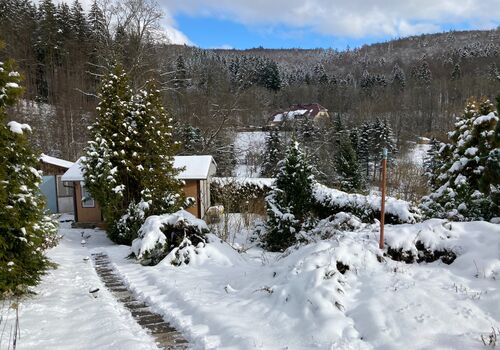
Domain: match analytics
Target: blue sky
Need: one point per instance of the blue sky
(337, 24)
(208, 32)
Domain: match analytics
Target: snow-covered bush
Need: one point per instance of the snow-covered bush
(161, 235)
(239, 195)
(333, 225)
(427, 242)
(328, 201)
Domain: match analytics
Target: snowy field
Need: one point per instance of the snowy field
(259, 300)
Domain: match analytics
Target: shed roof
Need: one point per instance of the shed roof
(196, 168)
(56, 161)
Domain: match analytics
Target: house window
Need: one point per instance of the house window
(63, 191)
(87, 200)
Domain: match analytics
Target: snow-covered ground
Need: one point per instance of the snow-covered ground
(418, 153)
(64, 315)
(301, 300)
(247, 145)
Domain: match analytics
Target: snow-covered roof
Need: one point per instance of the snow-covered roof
(74, 173)
(56, 161)
(298, 111)
(196, 168)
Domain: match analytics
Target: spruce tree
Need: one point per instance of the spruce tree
(128, 167)
(349, 174)
(25, 230)
(105, 175)
(468, 180)
(148, 160)
(289, 204)
(273, 153)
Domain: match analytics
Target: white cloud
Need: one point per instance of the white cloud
(224, 47)
(353, 18)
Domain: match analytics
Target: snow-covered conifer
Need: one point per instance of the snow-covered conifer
(289, 204)
(273, 153)
(129, 160)
(348, 171)
(468, 180)
(25, 230)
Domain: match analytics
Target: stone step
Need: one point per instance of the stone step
(166, 336)
(149, 319)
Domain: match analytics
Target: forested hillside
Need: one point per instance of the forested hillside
(419, 84)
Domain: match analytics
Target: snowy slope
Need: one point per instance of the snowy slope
(225, 300)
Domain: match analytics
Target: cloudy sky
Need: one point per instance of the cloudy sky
(318, 23)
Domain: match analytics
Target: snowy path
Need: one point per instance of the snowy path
(63, 314)
(165, 335)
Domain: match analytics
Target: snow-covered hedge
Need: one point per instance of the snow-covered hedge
(167, 235)
(330, 201)
(240, 194)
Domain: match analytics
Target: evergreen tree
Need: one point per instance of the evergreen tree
(105, 149)
(129, 161)
(433, 162)
(180, 77)
(468, 180)
(398, 78)
(79, 24)
(148, 159)
(348, 171)
(456, 73)
(25, 230)
(364, 147)
(273, 153)
(289, 204)
(189, 137)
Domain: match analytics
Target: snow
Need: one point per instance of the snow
(64, 315)
(418, 153)
(339, 199)
(56, 161)
(247, 143)
(296, 300)
(290, 115)
(74, 173)
(151, 232)
(18, 128)
(12, 85)
(485, 119)
(196, 168)
(260, 182)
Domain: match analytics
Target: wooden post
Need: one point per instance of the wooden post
(382, 200)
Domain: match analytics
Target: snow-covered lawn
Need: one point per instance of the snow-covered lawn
(259, 300)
